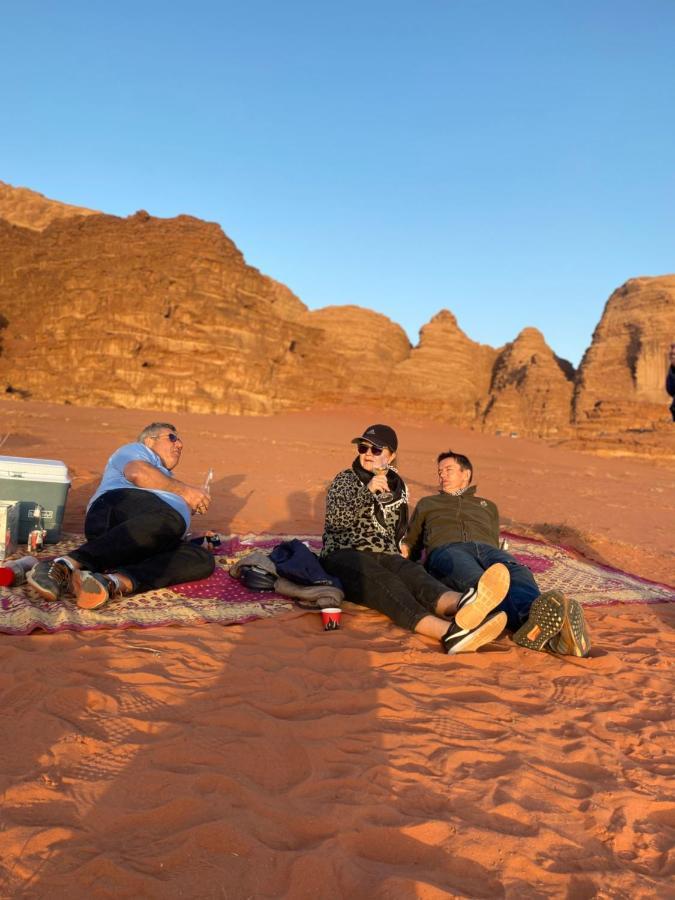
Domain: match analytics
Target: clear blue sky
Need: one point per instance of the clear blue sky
(510, 160)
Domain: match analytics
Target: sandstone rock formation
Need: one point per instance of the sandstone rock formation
(446, 375)
(352, 359)
(142, 312)
(621, 379)
(166, 313)
(27, 208)
(531, 389)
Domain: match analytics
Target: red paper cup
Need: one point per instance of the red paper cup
(331, 618)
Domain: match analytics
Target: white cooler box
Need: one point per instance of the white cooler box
(9, 528)
(36, 482)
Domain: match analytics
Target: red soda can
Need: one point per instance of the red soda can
(35, 540)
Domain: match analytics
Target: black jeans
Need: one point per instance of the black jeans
(387, 582)
(136, 533)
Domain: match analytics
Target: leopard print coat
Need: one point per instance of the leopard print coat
(351, 523)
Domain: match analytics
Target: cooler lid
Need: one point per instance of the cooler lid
(23, 468)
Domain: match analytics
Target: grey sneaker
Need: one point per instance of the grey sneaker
(546, 618)
(573, 638)
(91, 589)
(51, 579)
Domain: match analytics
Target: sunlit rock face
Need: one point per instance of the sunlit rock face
(142, 312)
(166, 313)
(447, 375)
(531, 389)
(27, 208)
(621, 378)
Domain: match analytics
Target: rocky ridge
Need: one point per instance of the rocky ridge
(27, 208)
(165, 313)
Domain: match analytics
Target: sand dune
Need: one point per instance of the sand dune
(275, 760)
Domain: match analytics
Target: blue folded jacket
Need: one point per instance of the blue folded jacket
(295, 561)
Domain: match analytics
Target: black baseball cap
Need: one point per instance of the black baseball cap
(379, 436)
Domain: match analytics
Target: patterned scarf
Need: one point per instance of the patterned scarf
(398, 498)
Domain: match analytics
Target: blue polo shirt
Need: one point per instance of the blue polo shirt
(113, 477)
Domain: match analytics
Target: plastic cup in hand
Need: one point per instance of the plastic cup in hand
(331, 616)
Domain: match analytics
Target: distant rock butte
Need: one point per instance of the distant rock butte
(531, 389)
(447, 374)
(620, 383)
(165, 313)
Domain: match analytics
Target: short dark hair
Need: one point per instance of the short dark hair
(462, 461)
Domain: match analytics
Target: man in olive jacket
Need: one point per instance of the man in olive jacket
(460, 533)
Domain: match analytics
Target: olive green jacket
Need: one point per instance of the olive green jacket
(448, 519)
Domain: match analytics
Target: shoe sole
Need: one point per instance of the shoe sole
(44, 592)
(578, 632)
(89, 592)
(547, 615)
(491, 589)
(486, 633)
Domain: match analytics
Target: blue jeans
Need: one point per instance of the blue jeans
(460, 565)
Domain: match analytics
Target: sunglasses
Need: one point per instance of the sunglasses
(172, 437)
(364, 448)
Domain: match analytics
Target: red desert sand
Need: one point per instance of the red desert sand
(274, 759)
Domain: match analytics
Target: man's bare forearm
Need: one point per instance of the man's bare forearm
(144, 475)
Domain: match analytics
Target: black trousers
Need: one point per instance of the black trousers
(136, 533)
(387, 582)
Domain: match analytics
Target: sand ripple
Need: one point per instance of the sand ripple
(275, 760)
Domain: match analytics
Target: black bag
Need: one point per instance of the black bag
(257, 579)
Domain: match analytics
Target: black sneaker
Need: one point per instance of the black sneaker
(464, 640)
(51, 579)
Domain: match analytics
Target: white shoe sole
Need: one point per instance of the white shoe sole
(480, 636)
(491, 589)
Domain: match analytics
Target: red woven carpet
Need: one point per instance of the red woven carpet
(221, 599)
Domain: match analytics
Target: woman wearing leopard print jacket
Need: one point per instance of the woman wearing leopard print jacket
(366, 518)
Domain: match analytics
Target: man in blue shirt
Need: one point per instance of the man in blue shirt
(134, 527)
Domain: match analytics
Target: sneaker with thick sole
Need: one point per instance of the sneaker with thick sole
(91, 589)
(546, 618)
(573, 639)
(51, 578)
(477, 602)
(461, 640)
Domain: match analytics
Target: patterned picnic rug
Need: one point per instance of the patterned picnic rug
(223, 600)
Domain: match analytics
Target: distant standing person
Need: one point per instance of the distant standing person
(134, 527)
(670, 379)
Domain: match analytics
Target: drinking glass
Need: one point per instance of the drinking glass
(381, 467)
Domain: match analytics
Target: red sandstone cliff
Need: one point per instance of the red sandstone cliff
(149, 312)
(27, 208)
(621, 379)
(531, 389)
(447, 375)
